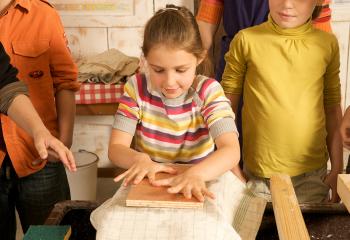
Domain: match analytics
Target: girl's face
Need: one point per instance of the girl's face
(291, 13)
(172, 71)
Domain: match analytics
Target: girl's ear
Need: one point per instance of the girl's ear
(204, 55)
(143, 64)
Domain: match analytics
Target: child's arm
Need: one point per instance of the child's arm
(192, 182)
(236, 170)
(345, 129)
(23, 113)
(208, 19)
(332, 99)
(334, 146)
(65, 104)
(64, 74)
(139, 164)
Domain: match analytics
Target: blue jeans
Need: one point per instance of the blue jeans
(33, 196)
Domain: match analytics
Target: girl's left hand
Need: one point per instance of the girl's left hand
(188, 183)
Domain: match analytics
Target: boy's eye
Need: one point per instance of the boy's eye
(181, 70)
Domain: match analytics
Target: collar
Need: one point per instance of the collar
(24, 4)
(297, 31)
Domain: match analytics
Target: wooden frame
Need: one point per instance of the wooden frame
(289, 220)
(343, 189)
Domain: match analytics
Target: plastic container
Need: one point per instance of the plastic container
(83, 182)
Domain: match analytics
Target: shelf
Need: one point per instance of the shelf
(97, 109)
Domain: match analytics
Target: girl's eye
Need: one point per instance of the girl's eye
(181, 70)
(158, 70)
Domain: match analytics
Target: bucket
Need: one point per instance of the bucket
(83, 182)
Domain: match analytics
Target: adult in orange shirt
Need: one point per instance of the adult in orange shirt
(15, 103)
(33, 36)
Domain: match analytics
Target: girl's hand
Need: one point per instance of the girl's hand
(331, 181)
(188, 183)
(143, 167)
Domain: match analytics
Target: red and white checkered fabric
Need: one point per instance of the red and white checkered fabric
(91, 93)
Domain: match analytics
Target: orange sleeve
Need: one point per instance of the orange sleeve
(210, 11)
(63, 69)
(323, 21)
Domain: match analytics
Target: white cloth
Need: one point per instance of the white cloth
(233, 206)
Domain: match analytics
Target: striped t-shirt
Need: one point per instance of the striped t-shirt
(174, 130)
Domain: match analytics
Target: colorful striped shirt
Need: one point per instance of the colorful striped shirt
(174, 130)
(211, 11)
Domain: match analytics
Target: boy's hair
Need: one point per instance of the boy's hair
(174, 27)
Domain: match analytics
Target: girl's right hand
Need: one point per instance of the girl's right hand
(143, 167)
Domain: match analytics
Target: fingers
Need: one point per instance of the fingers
(139, 177)
(209, 194)
(151, 177)
(131, 175)
(41, 148)
(71, 160)
(63, 153)
(121, 176)
(197, 193)
(177, 188)
(163, 182)
(187, 192)
(168, 169)
(335, 197)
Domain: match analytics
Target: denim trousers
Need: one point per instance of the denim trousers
(33, 196)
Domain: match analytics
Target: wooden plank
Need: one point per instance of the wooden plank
(289, 220)
(343, 189)
(97, 109)
(146, 195)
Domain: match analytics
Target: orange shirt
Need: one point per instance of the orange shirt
(33, 37)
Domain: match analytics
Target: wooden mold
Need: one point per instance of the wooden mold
(343, 189)
(289, 220)
(146, 195)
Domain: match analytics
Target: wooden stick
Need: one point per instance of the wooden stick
(289, 220)
(343, 189)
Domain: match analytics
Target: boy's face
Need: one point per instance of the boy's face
(291, 13)
(171, 71)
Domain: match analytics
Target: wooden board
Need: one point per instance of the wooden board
(343, 189)
(289, 220)
(146, 195)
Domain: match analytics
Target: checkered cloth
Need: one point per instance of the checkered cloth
(91, 93)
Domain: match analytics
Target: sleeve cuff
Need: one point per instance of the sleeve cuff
(125, 124)
(223, 125)
(8, 94)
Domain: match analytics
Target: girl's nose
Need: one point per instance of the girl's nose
(170, 79)
(288, 3)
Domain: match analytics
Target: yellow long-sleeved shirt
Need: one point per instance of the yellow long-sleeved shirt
(288, 76)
